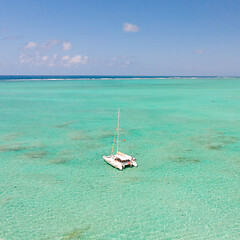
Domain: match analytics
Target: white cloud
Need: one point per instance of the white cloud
(53, 61)
(65, 58)
(122, 61)
(45, 58)
(78, 59)
(30, 45)
(66, 46)
(128, 27)
(37, 58)
(51, 64)
(23, 58)
(199, 51)
(49, 44)
(41, 47)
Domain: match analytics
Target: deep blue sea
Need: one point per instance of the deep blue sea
(90, 77)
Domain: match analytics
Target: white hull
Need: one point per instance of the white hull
(117, 164)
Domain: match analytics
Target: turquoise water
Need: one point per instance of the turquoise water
(183, 132)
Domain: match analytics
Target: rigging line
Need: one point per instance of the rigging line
(118, 129)
(114, 138)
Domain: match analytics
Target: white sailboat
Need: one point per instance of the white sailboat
(119, 160)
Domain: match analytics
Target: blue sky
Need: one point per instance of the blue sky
(119, 37)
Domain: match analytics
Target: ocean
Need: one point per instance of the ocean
(183, 131)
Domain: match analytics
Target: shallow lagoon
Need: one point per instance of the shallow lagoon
(183, 132)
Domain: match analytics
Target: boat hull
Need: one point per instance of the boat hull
(117, 164)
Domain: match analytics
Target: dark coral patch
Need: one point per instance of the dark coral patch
(60, 161)
(79, 136)
(106, 135)
(37, 154)
(75, 234)
(215, 147)
(64, 125)
(11, 136)
(186, 160)
(13, 148)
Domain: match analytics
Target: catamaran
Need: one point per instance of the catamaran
(119, 160)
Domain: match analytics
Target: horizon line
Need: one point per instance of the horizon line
(115, 75)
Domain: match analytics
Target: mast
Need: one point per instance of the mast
(118, 128)
(116, 133)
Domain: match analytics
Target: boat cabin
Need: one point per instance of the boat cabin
(122, 157)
